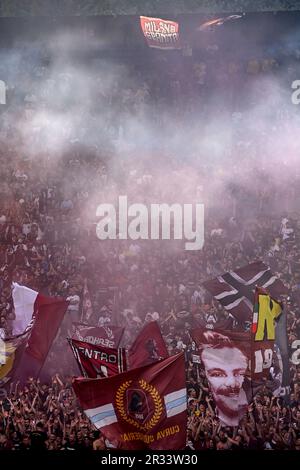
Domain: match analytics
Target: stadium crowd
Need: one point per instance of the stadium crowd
(48, 242)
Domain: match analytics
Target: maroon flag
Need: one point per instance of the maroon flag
(96, 361)
(148, 347)
(235, 289)
(48, 315)
(107, 336)
(225, 358)
(144, 408)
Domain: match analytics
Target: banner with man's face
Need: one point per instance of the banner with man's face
(225, 359)
(237, 367)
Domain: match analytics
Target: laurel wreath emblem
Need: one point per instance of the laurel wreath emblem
(158, 406)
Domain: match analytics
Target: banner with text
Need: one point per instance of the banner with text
(162, 34)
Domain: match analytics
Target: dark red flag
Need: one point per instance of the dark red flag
(148, 347)
(48, 315)
(141, 408)
(96, 361)
(107, 336)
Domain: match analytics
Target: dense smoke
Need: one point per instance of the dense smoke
(206, 142)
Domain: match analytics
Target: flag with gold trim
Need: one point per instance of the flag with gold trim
(144, 408)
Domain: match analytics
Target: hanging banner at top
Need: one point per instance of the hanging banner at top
(162, 34)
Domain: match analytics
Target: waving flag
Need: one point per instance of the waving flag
(266, 311)
(107, 336)
(11, 352)
(37, 321)
(96, 361)
(148, 347)
(47, 315)
(235, 289)
(24, 305)
(161, 34)
(140, 409)
(265, 328)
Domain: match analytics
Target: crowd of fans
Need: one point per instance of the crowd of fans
(48, 242)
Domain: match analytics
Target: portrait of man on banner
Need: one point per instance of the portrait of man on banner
(226, 365)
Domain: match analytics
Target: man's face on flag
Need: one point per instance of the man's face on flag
(225, 371)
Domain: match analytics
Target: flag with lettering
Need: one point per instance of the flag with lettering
(161, 34)
(149, 346)
(267, 312)
(144, 408)
(106, 336)
(235, 290)
(96, 361)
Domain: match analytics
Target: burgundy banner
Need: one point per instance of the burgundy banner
(48, 315)
(142, 408)
(149, 346)
(96, 361)
(107, 336)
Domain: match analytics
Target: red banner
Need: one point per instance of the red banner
(48, 315)
(148, 347)
(107, 336)
(142, 408)
(96, 361)
(162, 34)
